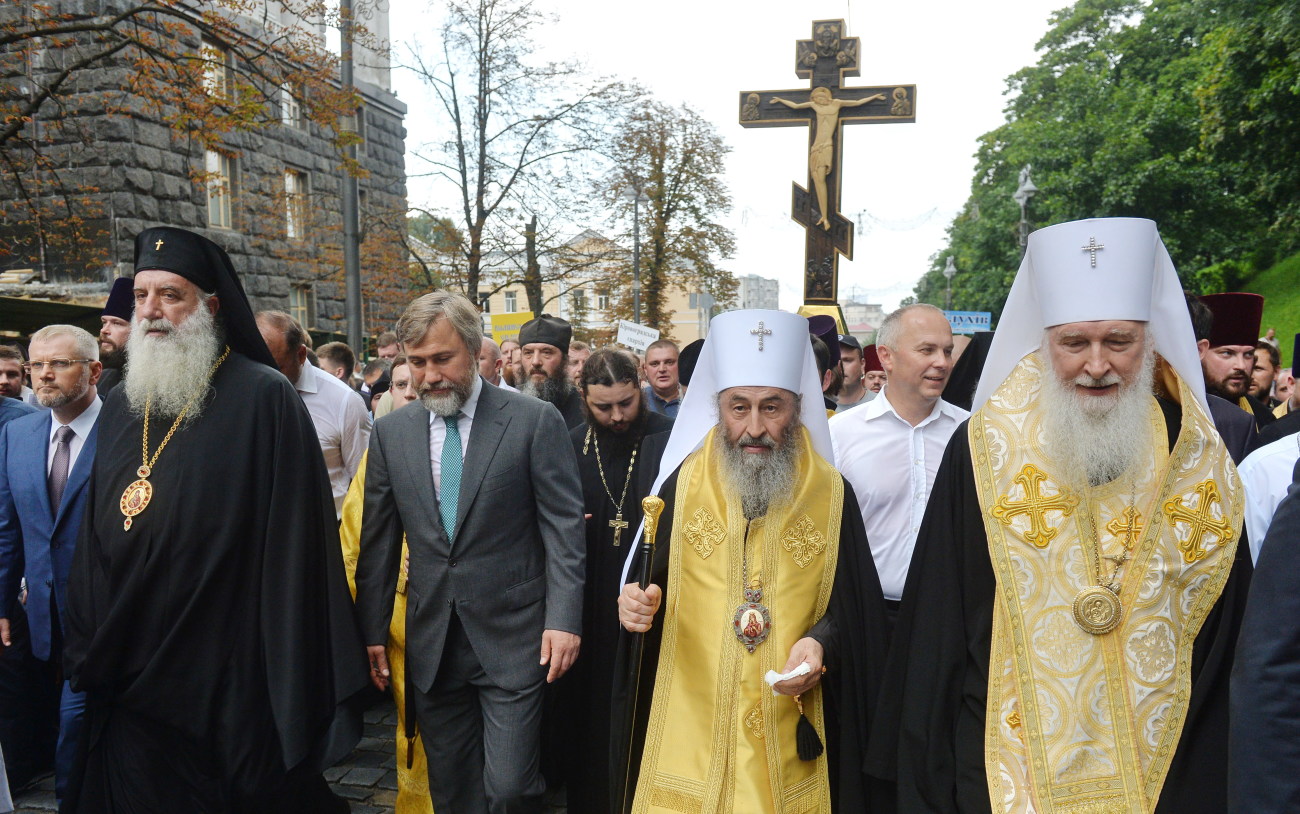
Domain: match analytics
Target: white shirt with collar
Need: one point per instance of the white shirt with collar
(81, 427)
(872, 445)
(342, 426)
(438, 432)
(1266, 475)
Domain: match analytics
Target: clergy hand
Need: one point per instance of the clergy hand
(378, 659)
(4, 632)
(806, 649)
(637, 608)
(560, 650)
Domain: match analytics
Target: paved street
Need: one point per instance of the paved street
(367, 779)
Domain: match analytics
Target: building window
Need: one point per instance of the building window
(579, 299)
(512, 302)
(217, 69)
(295, 203)
(602, 300)
(290, 108)
(694, 301)
(302, 305)
(220, 185)
(485, 304)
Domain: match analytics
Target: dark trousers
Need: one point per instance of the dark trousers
(483, 743)
(29, 706)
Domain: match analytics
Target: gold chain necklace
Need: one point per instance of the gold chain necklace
(1097, 608)
(752, 620)
(618, 523)
(137, 496)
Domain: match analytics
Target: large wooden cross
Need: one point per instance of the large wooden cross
(826, 104)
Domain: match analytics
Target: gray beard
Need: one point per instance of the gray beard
(554, 389)
(449, 401)
(173, 371)
(762, 480)
(1097, 438)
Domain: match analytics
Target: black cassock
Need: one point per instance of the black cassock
(931, 734)
(215, 639)
(854, 635)
(1265, 765)
(578, 718)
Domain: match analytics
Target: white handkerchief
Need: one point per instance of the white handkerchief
(773, 676)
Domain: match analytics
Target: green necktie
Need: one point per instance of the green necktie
(449, 494)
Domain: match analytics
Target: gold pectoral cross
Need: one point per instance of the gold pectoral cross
(618, 524)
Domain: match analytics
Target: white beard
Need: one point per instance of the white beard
(763, 480)
(172, 371)
(1097, 437)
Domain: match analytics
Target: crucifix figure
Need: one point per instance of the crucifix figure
(618, 524)
(825, 60)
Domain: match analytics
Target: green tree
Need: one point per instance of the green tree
(676, 159)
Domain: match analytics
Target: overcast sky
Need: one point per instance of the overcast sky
(906, 180)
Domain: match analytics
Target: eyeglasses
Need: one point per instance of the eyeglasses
(57, 365)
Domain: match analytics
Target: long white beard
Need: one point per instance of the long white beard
(1097, 437)
(171, 371)
(763, 480)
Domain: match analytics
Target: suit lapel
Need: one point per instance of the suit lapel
(38, 445)
(80, 473)
(485, 435)
(415, 449)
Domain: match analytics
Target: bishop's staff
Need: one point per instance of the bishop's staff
(627, 667)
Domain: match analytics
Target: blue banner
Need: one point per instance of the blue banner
(968, 322)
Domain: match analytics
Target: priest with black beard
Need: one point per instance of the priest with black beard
(1068, 624)
(766, 624)
(544, 354)
(208, 617)
(114, 331)
(618, 449)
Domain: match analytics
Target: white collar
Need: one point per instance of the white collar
(881, 405)
(82, 424)
(306, 379)
(471, 403)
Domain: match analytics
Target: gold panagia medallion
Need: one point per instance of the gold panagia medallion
(1097, 610)
(136, 497)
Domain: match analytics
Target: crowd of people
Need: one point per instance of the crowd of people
(1049, 568)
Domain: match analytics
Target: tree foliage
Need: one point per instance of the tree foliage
(520, 131)
(676, 159)
(206, 73)
(1180, 111)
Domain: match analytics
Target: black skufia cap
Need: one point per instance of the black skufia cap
(548, 330)
(121, 299)
(204, 263)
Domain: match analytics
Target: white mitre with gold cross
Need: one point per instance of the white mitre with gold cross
(752, 348)
(1087, 271)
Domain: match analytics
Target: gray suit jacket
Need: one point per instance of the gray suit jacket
(518, 561)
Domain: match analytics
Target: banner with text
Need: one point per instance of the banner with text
(637, 337)
(968, 322)
(506, 326)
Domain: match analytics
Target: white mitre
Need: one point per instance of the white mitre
(745, 349)
(1087, 271)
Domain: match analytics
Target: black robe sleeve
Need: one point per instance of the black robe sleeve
(1264, 772)
(929, 735)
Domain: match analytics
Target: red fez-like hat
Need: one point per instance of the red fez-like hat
(871, 359)
(1236, 318)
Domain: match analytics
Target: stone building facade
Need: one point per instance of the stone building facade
(270, 194)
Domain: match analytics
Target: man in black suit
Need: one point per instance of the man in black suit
(484, 484)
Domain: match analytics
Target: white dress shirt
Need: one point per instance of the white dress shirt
(873, 444)
(342, 426)
(438, 432)
(81, 427)
(1266, 475)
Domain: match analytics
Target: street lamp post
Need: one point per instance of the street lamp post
(1022, 195)
(949, 272)
(637, 197)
